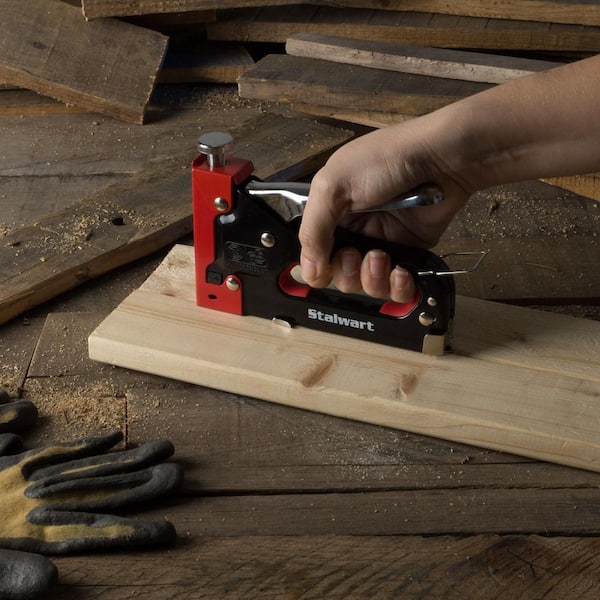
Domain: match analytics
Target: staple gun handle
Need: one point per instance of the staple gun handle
(289, 199)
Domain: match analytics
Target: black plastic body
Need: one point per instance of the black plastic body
(239, 252)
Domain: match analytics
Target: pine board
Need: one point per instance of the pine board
(577, 12)
(418, 60)
(108, 66)
(141, 214)
(277, 24)
(519, 381)
(585, 185)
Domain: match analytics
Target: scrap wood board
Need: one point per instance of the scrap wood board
(578, 12)
(286, 78)
(143, 213)
(278, 23)
(419, 60)
(107, 66)
(519, 380)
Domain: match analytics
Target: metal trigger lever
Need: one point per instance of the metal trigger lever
(289, 199)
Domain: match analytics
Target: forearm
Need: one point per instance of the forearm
(539, 126)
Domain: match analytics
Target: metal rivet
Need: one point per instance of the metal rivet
(233, 285)
(426, 319)
(267, 239)
(431, 301)
(221, 204)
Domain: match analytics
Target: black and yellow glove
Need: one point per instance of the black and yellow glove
(62, 498)
(22, 575)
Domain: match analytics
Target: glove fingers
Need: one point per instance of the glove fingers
(107, 463)
(24, 575)
(10, 443)
(40, 458)
(17, 416)
(109, 493)
(68, 532)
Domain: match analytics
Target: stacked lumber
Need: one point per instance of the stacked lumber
(577, 12)
(409, 59)
(107, 66)
(110, 66)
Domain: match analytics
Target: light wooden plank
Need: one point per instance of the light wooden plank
(419, 60)
(586, 185)
(528, 384)
(578, 12)
(108, 66)
(141, 214)
(277, 24)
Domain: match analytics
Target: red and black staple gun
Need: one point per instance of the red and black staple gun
(246, 250)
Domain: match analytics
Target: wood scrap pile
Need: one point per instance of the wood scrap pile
(377, 63)
(109, 65)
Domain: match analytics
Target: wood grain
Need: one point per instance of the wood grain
(277, 24)
(108, 66)
(348, 567)
(578, 12)
(293, 79)
(528, 383)
(418, 60)
(139, 215)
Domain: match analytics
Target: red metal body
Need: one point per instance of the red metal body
(208, 185)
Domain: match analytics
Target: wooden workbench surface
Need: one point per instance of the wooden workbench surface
(282, 503)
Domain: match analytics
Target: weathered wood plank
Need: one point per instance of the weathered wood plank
(277, 24)
(233, 445)
(418, 60)
(342, 567)
(527, 383)
(107, 66)
(137, 216)
(18, 344)
(286, 78)
(577, 12)
(389, 513)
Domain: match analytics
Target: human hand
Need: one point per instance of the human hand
(365, 173)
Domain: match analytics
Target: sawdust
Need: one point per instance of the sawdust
(518, 211)
(69, 408)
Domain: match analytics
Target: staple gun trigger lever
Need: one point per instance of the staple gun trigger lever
(289, 199)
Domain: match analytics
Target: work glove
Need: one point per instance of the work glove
(62, 498)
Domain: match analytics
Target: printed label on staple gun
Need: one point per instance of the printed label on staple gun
(335, 319)
(251, 257)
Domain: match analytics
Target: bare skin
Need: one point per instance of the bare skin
(543, 125)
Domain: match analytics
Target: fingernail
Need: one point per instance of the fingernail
(309, 269)
(350, 263)
(377, 263)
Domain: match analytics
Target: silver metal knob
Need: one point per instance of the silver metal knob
(214, 145)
